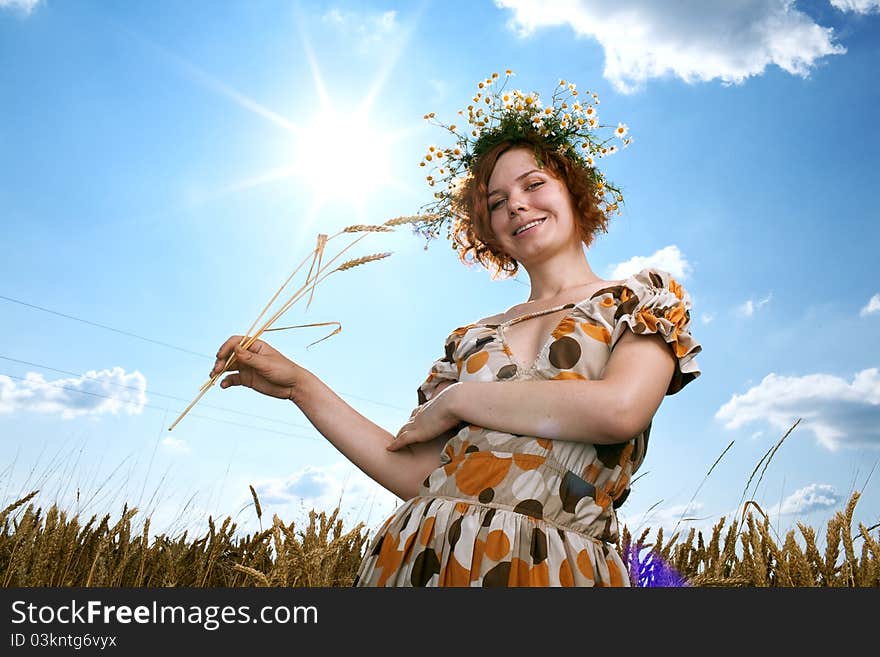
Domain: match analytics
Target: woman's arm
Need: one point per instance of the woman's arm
(364, 442)
(269, 372)
(609, 410)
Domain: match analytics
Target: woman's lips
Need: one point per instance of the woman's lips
(529, 230)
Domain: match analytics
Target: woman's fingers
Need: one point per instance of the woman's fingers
(231, 380)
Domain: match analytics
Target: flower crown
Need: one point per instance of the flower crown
(497, 115)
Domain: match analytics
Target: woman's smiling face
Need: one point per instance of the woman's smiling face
(530, 210)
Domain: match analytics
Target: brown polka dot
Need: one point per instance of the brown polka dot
(454, 533)
(507, 372)
(486, 495)
(488, 519)
(498, 575)
(425, 566)
(531, 508)
(565, 353)
(538, 550)
(572, 489)
(610, 454)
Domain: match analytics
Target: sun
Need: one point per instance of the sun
(342, 157)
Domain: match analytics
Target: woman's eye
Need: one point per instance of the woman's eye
(535, 184)
(496, 204)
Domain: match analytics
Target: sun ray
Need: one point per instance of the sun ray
(261, 179)
(213, 83)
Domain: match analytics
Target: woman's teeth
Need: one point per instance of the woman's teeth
(528, 227)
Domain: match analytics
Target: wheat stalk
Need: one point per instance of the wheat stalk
(317, 273)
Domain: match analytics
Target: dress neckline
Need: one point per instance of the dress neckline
(546, 311)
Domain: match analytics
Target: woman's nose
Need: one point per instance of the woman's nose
(515, 205)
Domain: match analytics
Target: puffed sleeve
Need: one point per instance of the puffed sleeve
(443, 369)
(652, 301)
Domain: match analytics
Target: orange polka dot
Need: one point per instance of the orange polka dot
(568, 376)
(647, 318)
(564, 327)
(477, 361)
(545, 443)
(497, 545)
(675, 288)
(528, 461)
(616, 575)
(481, 470)
(585, 564)
(591, 473)
(608, 302)
(599, 333)
(565, 576)
(540, 575)
(454, 574)
(519, 573)
(461, 507)
(602, 498)
(427, 531)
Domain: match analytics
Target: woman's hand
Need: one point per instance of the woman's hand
(431, 419)
(260, 367)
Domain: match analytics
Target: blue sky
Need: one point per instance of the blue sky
(157, 185)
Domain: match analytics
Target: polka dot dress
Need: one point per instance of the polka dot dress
(509, 510)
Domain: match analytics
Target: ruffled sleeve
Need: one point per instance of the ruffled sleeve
(652, 301)
(443, 369)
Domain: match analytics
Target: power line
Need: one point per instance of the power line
(157, 394)
(159, 408)
(163, 344)
(106, 328)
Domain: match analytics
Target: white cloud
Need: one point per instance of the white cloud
(322, 489)
(176, 445)
(749, 307)
(858, 6)
(94, 393)
(23, 6)
(368, 28)
(815, 497)
(872, 307)
(691, 39)
(707, 318)
(837, 412)
(669, 258)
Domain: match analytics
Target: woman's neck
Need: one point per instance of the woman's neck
(554, 278)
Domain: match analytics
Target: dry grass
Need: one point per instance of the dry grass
(52, 549)
(760, 560)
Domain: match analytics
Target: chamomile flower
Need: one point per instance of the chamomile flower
(496, 114)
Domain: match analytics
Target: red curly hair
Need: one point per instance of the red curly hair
(472, 233)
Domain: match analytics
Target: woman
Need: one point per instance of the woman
(531, 425)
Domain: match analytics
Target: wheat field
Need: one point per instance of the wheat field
(52, 548)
